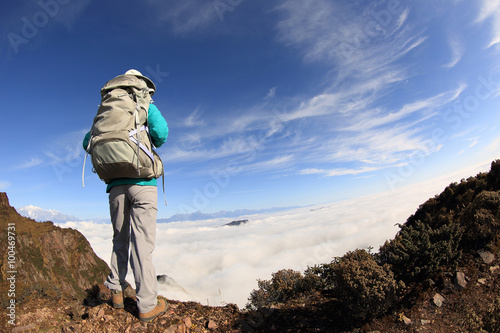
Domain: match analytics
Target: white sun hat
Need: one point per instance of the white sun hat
(151, 85)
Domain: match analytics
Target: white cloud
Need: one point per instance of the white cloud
(186, 16)
(4, 185)
(194, 119)
(271, 93)
(370, 120)
(490, 9)
(457, 51)
(34, 161)
(350, 115)
(279, 162)
(494, 146)
(338, 172)
(66, 149)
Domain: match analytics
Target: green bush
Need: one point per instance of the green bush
(481, 220)
(284, 285)
(364, 288)
(418, 251)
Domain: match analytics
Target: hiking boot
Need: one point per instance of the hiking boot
(117, 299)
(161, 308)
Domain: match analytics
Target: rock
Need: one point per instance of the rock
(493, 269)
(481, 281)
(405, 319)
(100, 314)
(425, 322)
(487, 257)
(26, 328)
(181, 328)
(438, 300)
(188, 322)
(211, 325)
(171, 329)
(460, 280)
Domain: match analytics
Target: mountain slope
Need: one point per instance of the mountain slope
(44, 259)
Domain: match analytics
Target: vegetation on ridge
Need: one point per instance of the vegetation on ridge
(445, 233)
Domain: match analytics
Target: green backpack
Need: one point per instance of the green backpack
(120, 145)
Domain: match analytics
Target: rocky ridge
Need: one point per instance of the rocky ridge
(45, 260)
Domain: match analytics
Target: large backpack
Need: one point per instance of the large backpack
(120, 145)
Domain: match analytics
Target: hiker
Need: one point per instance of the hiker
(133, 197)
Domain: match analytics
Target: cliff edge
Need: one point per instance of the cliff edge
(42, 259)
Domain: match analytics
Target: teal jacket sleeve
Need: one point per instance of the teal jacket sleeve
(158, 128)
(86, 140)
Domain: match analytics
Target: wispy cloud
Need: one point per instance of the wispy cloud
(4, 185)
(34, 161)
(229, 147)
(271, 93)
(353, 121)
(186, 16)
(471, 142)
(426, 107)
(490, 9)
(338, 172)
(276, 163)
(457, 51)
(494, 145)
(195, 119)
(364, 57)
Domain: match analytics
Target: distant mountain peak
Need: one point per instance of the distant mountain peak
(41, 215)
(196, 216)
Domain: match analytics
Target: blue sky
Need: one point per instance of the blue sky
(269, 103)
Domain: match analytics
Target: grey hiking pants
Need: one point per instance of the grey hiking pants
(133, 210)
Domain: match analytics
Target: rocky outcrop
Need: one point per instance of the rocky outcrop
(44, 259)
(4, 200)
(236, 223)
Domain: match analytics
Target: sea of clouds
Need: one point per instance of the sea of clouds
(214, 264)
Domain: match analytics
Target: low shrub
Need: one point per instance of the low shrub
(284, 285)
(363, 288)
(481, 220)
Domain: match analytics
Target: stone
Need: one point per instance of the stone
(188, 322)
(425, 322)
(487, 257)
(100, 314)
(181, 328)
(438, 300)
(171, 329)
(405, 319)
(493, 269)
(211, 325)
(26, 328)
(481, 281)
(460, 280)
